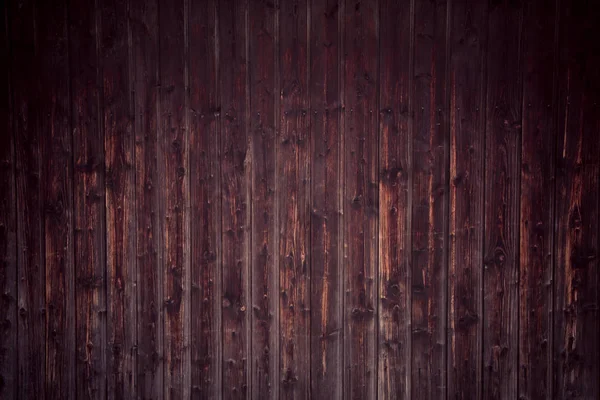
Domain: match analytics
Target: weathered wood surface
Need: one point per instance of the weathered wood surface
(300, 199)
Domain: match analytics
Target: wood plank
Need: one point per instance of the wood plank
(361, 196)
(429, 220)
(8, 223)
(293, 196)
(150, 360)
(326, 285)
(89, 207)
(30, 262)
(174, 192)
(537, 201)
(395, 130)
(236, 201)
(57, 180)
(576, 354)
(467, 126)
(263, 38)
(120, 198)
(205, 192)
(502, 173)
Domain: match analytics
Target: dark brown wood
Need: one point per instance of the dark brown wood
(174, 190)
(293, 197)
(326, 285)
(361, 197)
(89, 203)
(537, 200)
(236, 200)
(31, 274)
(57, 200)
(263, 18)
(502, 173)
(467, 44)
(577, 195)
(8, 224)
(429, 220)
(300, 199)
(119, 145)
(144, 49)
(205, 189)
(395, 133)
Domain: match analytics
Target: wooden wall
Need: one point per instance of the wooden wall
(359, 199)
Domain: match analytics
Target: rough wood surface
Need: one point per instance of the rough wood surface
(300, 199)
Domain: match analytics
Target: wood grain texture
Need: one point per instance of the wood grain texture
(502, 173)
(144, 50)
(119, 145)
(174, 190)
(467, 130)
(361, 197)
(299, 199)
(429, 226)
(263, 31)
(8, 223)
(395, 133)
(57, 201)
(30, 262)
(205, 189)
(293, 197)
(537, 201)
(236, 201)
(326, 284)
(577, 193)
(89, 202)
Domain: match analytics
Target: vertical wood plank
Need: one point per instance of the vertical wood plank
(396, 59)
(361, 196)
(429, 202)
(502, 172)
(119, 144)
(263, 35)
(468, 32)
(89, 211)
(30, 263)
(293, 183)
(8, 223)
(149, 363)
(57, 180)
(326, 285)
(205, 192)
(174, 190)
(236, 201)
(577, 193)
(537, 200)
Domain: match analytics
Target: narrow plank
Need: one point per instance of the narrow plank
(263, 35)
(396, 60)
(537, 201)
(120, 198)
(89, 208)
(576, 354)
(502, 184)
(8, 224)
(205, 192)
(467, 126)
(235, 200)
(429, 220)
(174, 191)
(361, 197)
(31, 324)
(57, 180)
(149, 363)
(292, 197)
(326, 285)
